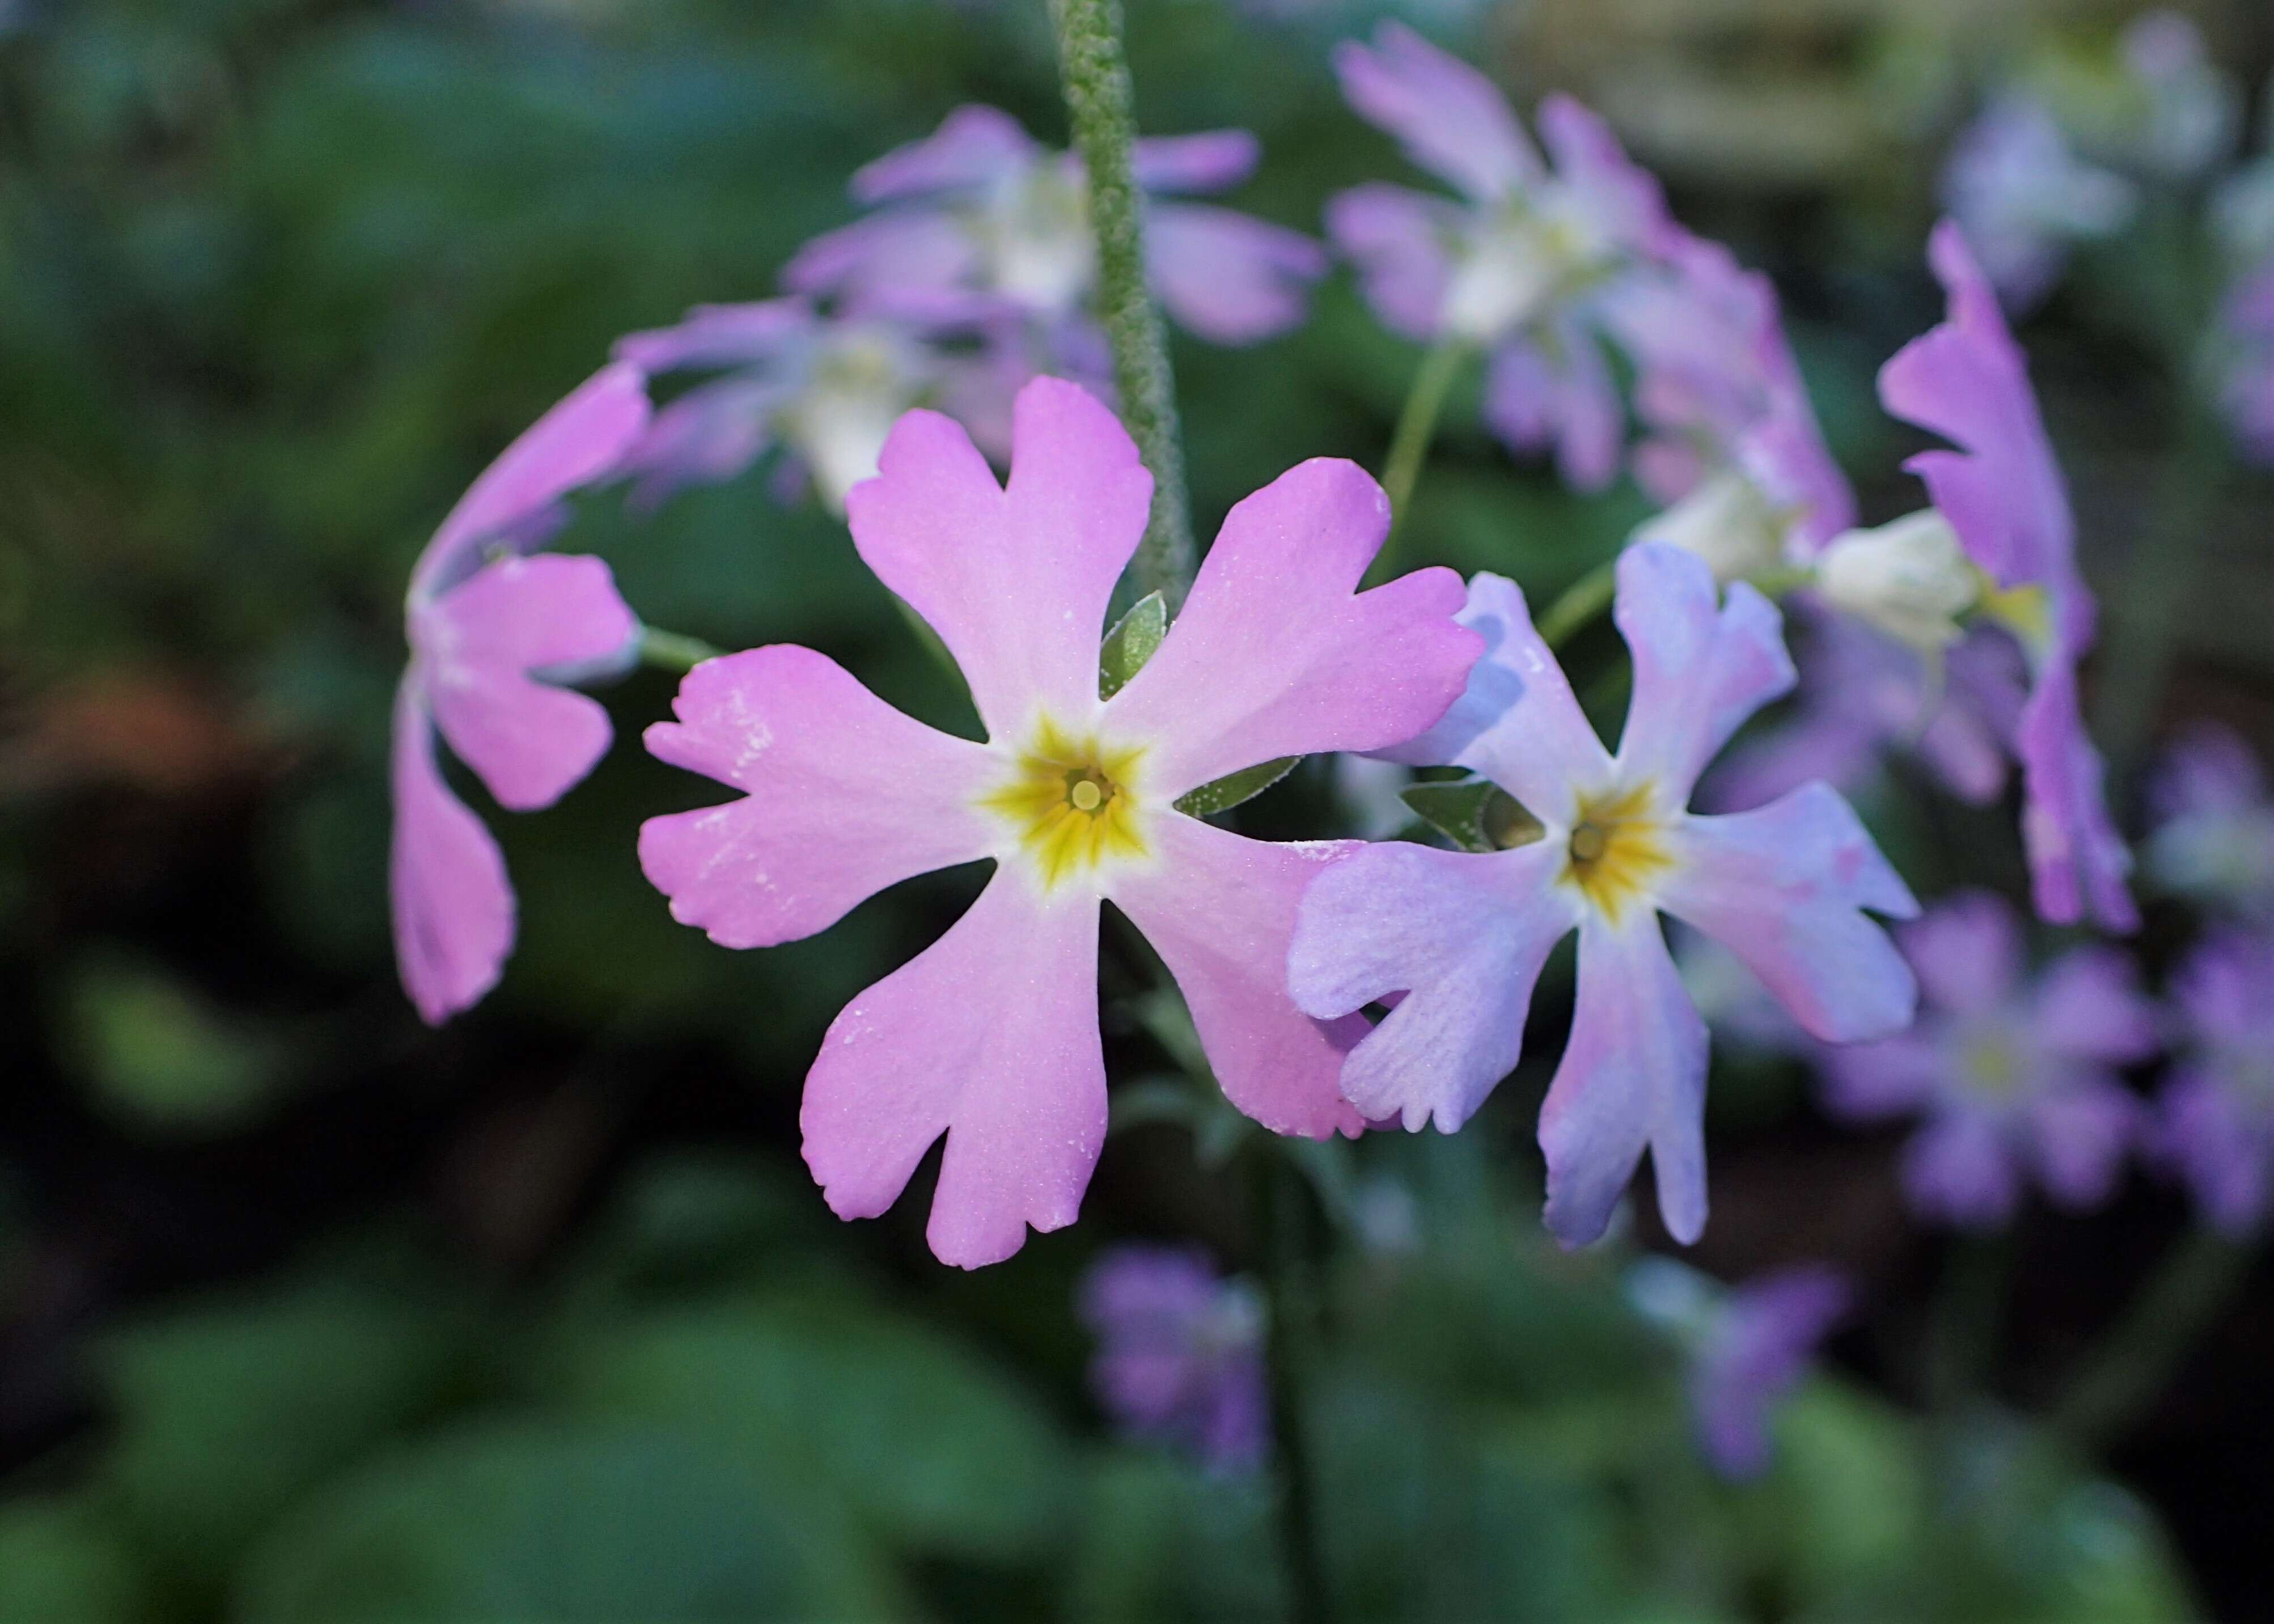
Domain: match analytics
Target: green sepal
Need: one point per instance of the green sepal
(1476, 815)
(1131, 643)
(1232, 788)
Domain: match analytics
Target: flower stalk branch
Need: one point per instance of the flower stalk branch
(1409, 444)
(673, 651)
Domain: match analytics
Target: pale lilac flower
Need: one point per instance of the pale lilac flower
(2184, 111)
(1463, 935)
(978, 217)
(1179, 1357)
(1748, 1348)
(492, 634)
(2003, 494)
(990, 1036)
(2216, 1116)
(1520, 265)
(2246, 335)
(2213, 840)
(2015, 1077)
(2023, 197)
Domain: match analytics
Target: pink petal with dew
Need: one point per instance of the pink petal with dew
(481, 641)
(1015, 580)
(580, 441)
(1632, 1077)
(842, 796)
(989, 1036)
(721, 335)
(1209, 161)
(454, 908)
(1450, 119)
(1700, 667)
(1229, 277)
(1396, 238)
(2082, 1130)
(1277, 653)
(2078, 864)
(974, 146)
(1516, 720)
(1462, 937)
(1220, 910)
(2089, 1007)
(1785, 888)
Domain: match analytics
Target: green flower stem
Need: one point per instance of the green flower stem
(1094, 73)
(1409, 444)
(673, 652)
(1582, 601)
(1285, 1202)
(2135, 1361)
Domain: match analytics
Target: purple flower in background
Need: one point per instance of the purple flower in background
(2247, 389)
(977, 219)
(2016, 1078)
(1748, 1348)
(1521, 264)
(2213, 840)
(1464, 935)
(2184, 110)
(2216, 1116)
(492, 632)
(991, 1035)
(1179, 1356)
(2003, 496)
(2023, 197)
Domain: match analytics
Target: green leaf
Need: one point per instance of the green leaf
(161, 1056)
(60, 1559)
(1166, 1540)
(929, 1446)
(1476, 815)
(1231, 790)
(1131, 643)
(525, 1520)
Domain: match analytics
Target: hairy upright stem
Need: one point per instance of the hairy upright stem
(2133, 1362)
(1095, 74)
(1409, 445)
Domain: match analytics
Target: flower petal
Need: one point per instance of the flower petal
(888, 255)
(1207, 161)
(2077, 860)
(1625, 199)
(1531, 402)
(721, 335)
(2082, 1130)
(1462, 936)
(1785, 889)
(989, 1036)
(1864, 1082)
(1396, 238)
(1967, 951)
(529, 740)
(1276, 652)
(1700, 668)
(454, 908)
(1632, 1077)
(707, 436)
(1450, 119)
(1229, 277)
(1015, 581)
(974, 146)
(1220, 909)
(842, 796)
(580, 441)
(2088, 1005)
(1958, 1169)
(2225, 1154)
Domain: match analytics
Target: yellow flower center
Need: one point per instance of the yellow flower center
(1616, 847)
(1071, 803)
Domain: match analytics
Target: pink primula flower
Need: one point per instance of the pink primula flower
(2003, 494)
(1463, 935)
(990, 1036)
(492, 634)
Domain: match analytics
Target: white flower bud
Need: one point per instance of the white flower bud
(1728, 522)
(1909, 578)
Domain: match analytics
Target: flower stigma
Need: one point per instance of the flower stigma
(1070, 803)
(1616, 847)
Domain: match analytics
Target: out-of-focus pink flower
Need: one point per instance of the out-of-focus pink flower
(1749, 1347)
(990, 1036)
(1463, 935)
(2003, 494)
(493, 633)
(2213, 841)
(2216, 1116)
(2016, 1079)
(979, 218)
(1179, 1356)
(2023, 197)
(1521, 264)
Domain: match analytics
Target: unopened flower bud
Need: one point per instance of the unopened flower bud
(1909, 578)
(1728, 522)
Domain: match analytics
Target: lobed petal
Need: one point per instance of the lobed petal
(1958, 1169)
(1700, 667)
(1865, 1082)
(1207, 161)
(454, 908)
(1229, 277)
(990, 1037)
(2078, 862)
(1785, 888)
(2225, 1154)
(1462, 936)
(2088, 1005)
(1275, 653)
(707, 436)
(1531, 402)
(1968, 953)
(1399, 239)
(1449, 119)
(2081, 1130)
(1016, 580)
(842, 796)
(1220, 910)
(1632, 1077)
(895, 255)
(480, 641)
(974, 146)
(722, 335)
